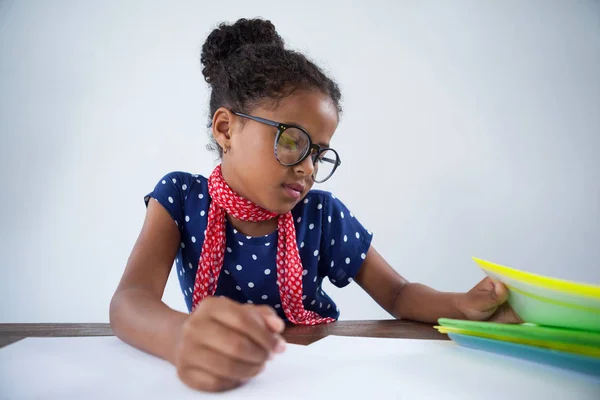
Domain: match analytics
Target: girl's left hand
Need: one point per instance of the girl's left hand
(487, 302)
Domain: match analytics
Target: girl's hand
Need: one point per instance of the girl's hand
(222, 344)
(487, 301)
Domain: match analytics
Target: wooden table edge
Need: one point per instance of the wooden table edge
(11, 333)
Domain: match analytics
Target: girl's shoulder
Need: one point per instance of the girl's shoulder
(181, 181)
(322, 211)
(323, 203)
(182, 194)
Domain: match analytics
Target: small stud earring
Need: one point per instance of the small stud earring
(225, 149)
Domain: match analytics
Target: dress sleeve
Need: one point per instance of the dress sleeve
(345, 242)
(170, 192)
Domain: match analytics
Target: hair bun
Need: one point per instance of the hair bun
(227, 39)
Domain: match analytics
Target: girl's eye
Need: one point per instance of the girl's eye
(288, 142)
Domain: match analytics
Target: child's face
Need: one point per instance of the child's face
(250, 166)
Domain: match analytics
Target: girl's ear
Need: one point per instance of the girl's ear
(221, 127)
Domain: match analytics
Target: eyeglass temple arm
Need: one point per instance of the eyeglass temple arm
(258, 119)
(252, 117)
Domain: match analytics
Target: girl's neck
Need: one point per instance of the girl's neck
(253, 228)
(247, 228)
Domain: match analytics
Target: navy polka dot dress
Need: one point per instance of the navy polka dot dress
(331, 241)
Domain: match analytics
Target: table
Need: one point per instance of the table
(303, 335)
(412, 369)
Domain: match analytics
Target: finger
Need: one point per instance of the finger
(489, 284)
(248, 322)
(202, 380)
(485, 284)
(487, 296)
(501, 291)
(233, 344)
(227, 367)
(242, 318)
(273, 321)
(505, 314)
(517, 317)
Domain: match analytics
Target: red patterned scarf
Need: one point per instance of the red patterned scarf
(289, 265)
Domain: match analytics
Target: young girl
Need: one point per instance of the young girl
(252, 243)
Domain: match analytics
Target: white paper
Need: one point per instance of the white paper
(86, 368)
(335, 367)
(427, 369)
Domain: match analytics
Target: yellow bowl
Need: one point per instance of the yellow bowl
(548, 301)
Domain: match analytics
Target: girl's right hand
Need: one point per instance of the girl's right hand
(222, 344)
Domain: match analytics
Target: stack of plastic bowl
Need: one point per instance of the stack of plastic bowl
(562, 322)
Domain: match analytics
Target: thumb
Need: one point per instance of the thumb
(500, 291)
(488, 295)
(272, 320)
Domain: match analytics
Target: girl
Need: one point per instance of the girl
(252, 242)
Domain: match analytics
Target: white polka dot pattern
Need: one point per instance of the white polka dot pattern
(289, 264)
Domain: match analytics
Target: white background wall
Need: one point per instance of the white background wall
(470, 129)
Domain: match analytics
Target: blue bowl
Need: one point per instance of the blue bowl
(585, 364)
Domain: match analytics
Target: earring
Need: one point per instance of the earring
(225, 149)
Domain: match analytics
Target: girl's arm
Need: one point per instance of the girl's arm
(414, 301)
(217, 347)
(137, 314)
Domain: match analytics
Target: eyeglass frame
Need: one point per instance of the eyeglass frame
(281, 127)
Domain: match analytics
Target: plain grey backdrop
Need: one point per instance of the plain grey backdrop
(471, 128)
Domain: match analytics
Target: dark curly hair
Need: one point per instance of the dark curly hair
(247, 65)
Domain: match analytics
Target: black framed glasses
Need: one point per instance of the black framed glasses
(293, 145)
